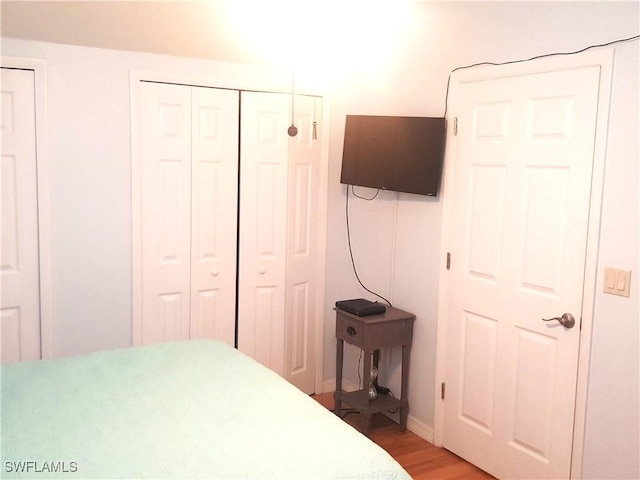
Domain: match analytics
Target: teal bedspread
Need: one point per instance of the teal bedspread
(197, 409)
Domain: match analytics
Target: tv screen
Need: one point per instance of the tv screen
(403, 154)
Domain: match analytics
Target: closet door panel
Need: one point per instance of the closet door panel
(214, 190)
(165, 212)
(20, 266)
(302, 246)
(263, 227)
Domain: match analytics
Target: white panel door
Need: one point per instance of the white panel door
(263, 227)
(214, 194)
(519, 230)
(189, 154)
(166, 211)
(20, 263)
(303, 244)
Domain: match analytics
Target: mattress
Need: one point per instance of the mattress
(196, 409)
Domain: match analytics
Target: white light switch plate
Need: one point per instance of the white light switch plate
(617, 282)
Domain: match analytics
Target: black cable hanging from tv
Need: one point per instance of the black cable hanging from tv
(523, 60)
(360, 197)
(353, 263)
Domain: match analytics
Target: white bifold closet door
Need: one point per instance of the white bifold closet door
(279, 245)
(304, 309)
(189, 155)
(263, 227)
(198, 145)
(20, 269)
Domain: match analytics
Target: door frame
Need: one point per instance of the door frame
(39, 68)
(604, 60)
(270, 81)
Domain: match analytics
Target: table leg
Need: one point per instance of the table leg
(337, 395)
(366, 376)
(365, 422)
(404, 401)
(365, 416)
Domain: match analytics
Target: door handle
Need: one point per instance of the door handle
(566, 320)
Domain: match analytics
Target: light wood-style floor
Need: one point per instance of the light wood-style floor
(418, 457)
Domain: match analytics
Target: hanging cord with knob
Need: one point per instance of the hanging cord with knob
(293, 130)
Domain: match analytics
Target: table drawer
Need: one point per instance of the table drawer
(349, 331)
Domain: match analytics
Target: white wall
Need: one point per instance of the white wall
(396, 246)
(90, 180)
(613, 429)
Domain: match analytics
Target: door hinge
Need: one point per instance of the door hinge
(442, 391)
(455, 126)
(448, 261)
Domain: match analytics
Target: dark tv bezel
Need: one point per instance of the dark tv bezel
(388, 143)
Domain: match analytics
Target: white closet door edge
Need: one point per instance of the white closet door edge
(44, 199)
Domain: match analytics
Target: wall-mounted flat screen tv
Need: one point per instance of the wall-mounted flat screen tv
(403, 154)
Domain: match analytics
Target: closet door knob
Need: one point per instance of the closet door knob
(215, 272)
(262, 270)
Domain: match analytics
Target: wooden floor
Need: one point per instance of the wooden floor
(418, 457)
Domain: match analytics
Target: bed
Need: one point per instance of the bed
(195, 409)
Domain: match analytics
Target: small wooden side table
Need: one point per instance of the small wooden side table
(371, 333)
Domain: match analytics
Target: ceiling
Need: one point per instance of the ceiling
(258, 32)
(200, 29)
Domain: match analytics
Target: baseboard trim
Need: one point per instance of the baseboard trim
(330, 386)
(420, 428)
